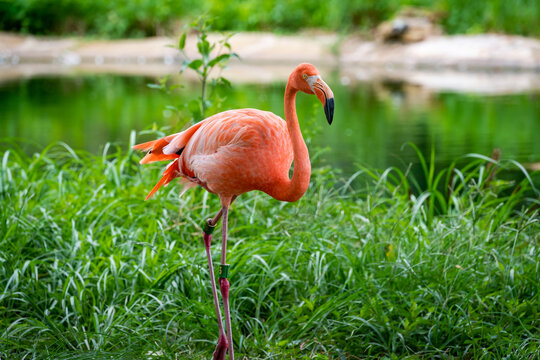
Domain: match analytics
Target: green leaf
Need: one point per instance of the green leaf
(194, 107)
(195, 64)
(224, 81)
(218, 59)
(200, 46)
(182, 42)
(204, 47)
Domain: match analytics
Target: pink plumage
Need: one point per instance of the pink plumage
(234, 152)
(237, 151)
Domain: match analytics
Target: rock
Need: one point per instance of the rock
(410, 25)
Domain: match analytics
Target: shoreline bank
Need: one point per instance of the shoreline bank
(487, 64)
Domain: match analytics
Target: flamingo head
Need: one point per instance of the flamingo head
(306, 78)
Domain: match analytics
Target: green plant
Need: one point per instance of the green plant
(212, 56)
(89, 271)
(453, 190)
(138, 18)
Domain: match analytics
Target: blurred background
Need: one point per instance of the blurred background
(456, 76)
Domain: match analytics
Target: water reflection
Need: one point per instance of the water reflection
(484, 82)
(373, 121)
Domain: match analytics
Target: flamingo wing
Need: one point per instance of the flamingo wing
(167, 148)
(238, 151)
(228, 153)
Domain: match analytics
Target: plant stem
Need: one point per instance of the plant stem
(203, 96)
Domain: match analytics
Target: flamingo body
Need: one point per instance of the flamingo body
(237, 151)
(229, 153)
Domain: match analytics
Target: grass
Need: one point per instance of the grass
(89, 270)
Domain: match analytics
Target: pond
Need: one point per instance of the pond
(373, 122)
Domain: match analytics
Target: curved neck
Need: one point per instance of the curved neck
(293, 189)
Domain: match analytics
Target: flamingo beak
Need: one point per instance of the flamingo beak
(324, 94)
(329, 110)
(326, 97)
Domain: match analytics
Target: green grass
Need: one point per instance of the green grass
(89, 270)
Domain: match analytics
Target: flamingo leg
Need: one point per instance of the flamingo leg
(221, 348)
(213, 221)
(224, 282)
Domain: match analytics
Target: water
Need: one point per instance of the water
(372, 122)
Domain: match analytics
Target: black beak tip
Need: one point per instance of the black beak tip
(329, 110)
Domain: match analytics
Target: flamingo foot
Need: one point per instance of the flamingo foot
(221, 348)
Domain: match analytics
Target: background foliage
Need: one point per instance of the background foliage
(120, 18)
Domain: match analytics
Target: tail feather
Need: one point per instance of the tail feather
(153, 157)
(155, 150)
(168, 148)
(145, 146)
(168, 175)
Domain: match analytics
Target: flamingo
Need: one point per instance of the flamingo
(237, 151)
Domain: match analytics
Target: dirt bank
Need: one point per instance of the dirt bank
(477, 63)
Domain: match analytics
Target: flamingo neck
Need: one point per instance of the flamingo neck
(294, 188)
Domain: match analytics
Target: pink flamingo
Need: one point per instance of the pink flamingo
(237, 151)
